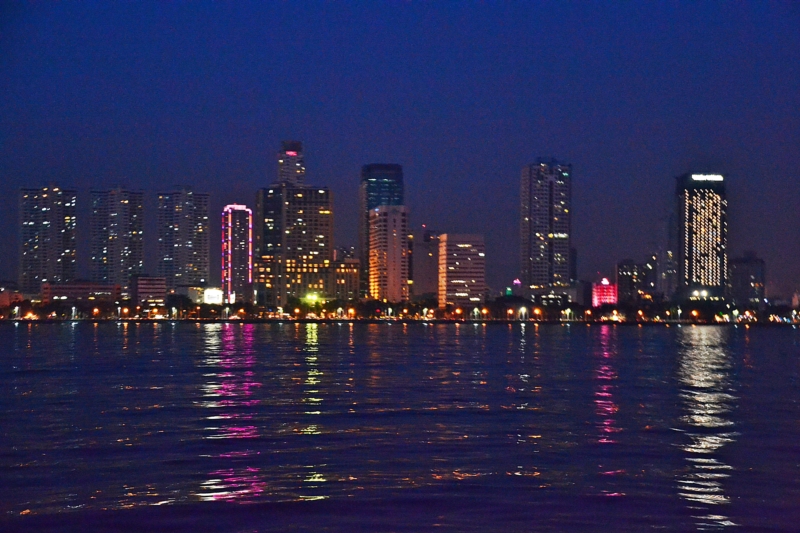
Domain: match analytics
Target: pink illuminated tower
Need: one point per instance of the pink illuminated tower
(604, 293)
(237, 253)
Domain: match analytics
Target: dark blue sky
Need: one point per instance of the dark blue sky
(462, 95)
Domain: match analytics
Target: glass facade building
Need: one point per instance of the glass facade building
(381, 184)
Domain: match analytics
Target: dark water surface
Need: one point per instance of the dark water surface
(392, 427)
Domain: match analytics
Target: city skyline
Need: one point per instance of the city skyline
(294, 255)
(444, 91)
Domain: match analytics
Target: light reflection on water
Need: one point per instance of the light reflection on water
(230, 393)
(134, 415)
(606, 408)
(708, 403)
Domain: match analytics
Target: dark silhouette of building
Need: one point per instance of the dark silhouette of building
(747, 280)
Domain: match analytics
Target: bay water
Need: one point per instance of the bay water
(178, 426)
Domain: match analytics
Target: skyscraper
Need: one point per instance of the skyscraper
(183, 238)
(117, 234)
(47, 237)
(237, 253)
(703, 233)
(462, 271)
(545, 224)
(388, 253)
(294, 235)
(291, 167)
(381, 184)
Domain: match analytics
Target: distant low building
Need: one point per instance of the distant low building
(149, 291)
(213, 296)
(195, 294)
(10, 297)
(345, 281)
(80, 291)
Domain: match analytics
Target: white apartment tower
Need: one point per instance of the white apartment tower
(388, 253)
(462, 271)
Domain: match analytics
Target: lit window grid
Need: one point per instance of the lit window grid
(462, 270)
(704, 238)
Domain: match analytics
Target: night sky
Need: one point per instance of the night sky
(159, 95)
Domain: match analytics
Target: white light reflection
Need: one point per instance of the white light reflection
(707, 403)
(312, 480)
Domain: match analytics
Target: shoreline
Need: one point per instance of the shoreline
(403, 321)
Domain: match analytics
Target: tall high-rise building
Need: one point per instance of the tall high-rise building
(381, 184)
(183, 238)
(47, 237)
(291, 167)
(462, 271)
(117, 236)
(545, 224)
(294, 243)
(237, 253)
(703, 234)
(388, 253)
